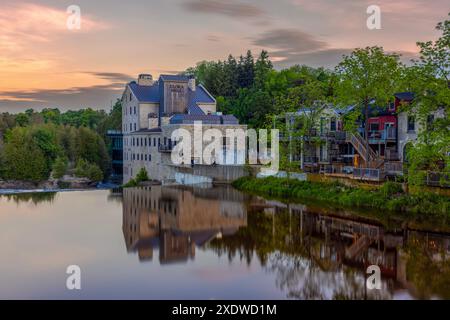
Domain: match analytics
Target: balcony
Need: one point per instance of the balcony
(381, 136)
(165, 148)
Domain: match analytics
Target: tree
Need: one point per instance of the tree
(142, 175)
(60, 167)
(88, 170)
(429, 79)
(22, 158)
(263, 67)
(367, 75)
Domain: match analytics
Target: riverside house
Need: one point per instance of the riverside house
(329, 149)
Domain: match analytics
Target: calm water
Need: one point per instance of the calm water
(169, 243)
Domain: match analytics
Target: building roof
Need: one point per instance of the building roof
(173, 77)
(205, 119)
(153, 130)
(151, 94)
(145, 93)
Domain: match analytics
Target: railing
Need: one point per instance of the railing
(438, 179)
(360, 145)
(310, 159)
(391, 155)
(165, 148)
(393, 167)
(367, 174)
(386, 134)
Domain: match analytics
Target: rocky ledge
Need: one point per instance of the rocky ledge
(66, 182)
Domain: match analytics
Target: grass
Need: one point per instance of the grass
(386, 200)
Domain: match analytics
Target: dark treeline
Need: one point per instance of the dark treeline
(37, 145)
(252, 90)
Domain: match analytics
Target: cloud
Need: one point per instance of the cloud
(22, 23)
(288, 41)
(96, 97)
(112, 76)
(212, 38)
(289, 47)
(224, 7)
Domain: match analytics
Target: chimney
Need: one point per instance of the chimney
(145, 80)
(191, 83)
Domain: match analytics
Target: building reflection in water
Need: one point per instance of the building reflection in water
(178, 219)
(313, 252)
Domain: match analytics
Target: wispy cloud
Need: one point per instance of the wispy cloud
(228, 8)
(21, 23)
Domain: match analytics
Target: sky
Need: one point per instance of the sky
(43, 63)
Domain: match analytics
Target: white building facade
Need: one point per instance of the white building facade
(152, 110)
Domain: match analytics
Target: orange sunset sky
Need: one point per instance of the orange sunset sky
(44, 64)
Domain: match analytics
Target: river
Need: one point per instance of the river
(208, 243)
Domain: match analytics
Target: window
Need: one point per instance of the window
(145, 157)
(137, 142)
(141, 142)
(131, 96)
(374, 126)
(131, 127)
(130, 110)
(333, 124)
(430, 120)
(135, 127)
(411, 124)
(133, 142)
(135, 110)
(154, 142)
(149, 157)
(159, 141)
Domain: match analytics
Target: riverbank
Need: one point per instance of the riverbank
(389, 200)
(68, 184)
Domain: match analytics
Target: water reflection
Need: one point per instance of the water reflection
(311, 254)
(177, 220)
(33, 197)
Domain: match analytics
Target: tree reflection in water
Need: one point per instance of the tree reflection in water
(311, 254)
(34, 197)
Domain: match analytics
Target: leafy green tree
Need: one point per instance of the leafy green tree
(263, 67)
(60, 167)
(88, 170)
(429, 79)
(365, 75)
(23, 159)
(22, 119)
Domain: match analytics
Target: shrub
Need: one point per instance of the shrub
(60, 167)
(142, 176)
(88, 170)
(390, 188)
